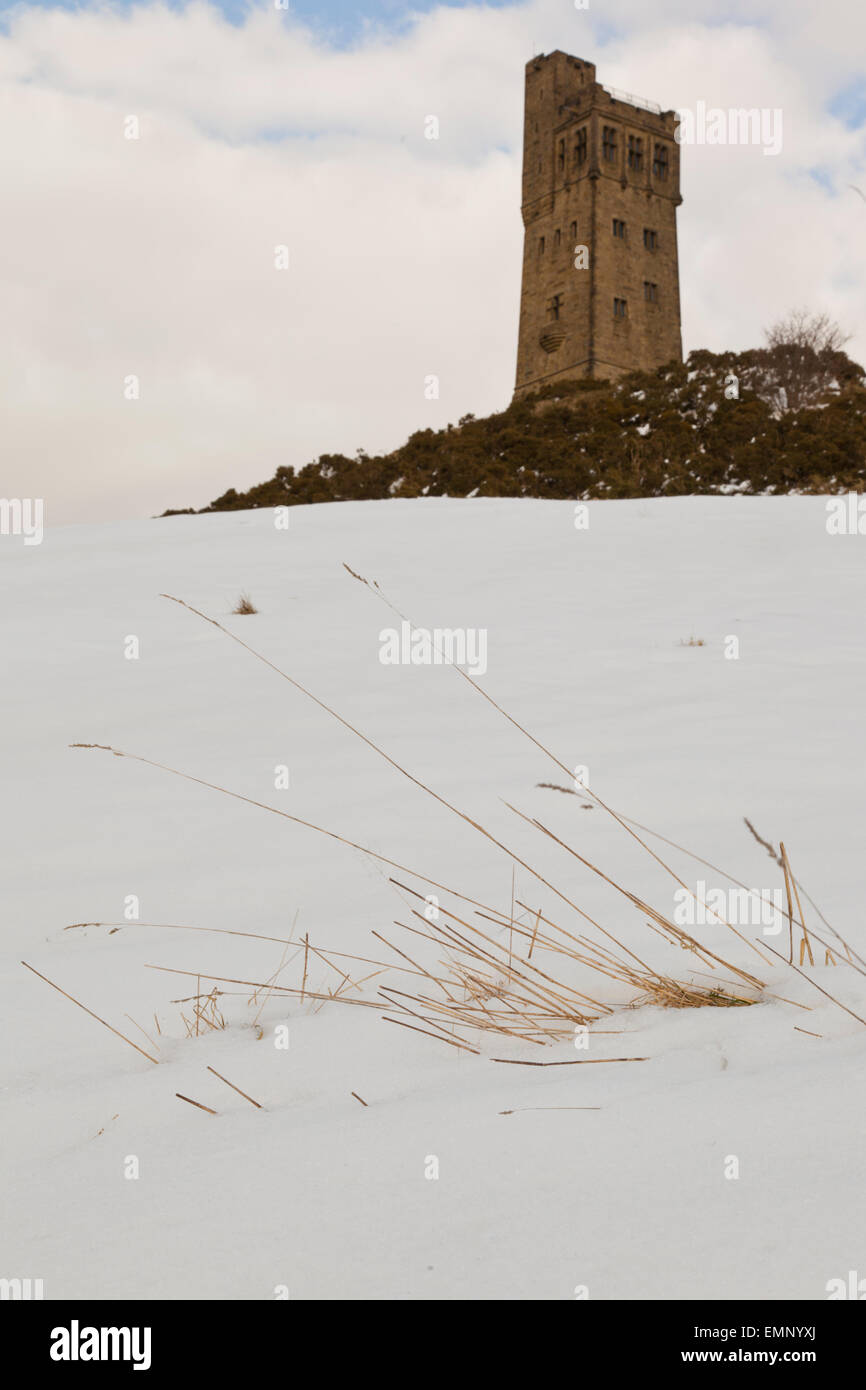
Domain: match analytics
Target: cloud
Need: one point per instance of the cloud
(849, 105)
(154, 256)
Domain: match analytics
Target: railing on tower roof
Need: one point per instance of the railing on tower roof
(633, 100)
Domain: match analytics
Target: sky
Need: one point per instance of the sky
(158, 347)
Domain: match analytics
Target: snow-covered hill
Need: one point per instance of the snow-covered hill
(592, 644)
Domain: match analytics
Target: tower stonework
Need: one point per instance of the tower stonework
(601, 171)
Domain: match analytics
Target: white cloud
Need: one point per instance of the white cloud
(155, 256)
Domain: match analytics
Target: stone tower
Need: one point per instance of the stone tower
(601, 171)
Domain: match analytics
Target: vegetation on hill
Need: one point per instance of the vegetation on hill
(787, 418)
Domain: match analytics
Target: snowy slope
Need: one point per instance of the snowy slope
(315, 1192)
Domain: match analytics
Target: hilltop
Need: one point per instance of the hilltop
(675, 431)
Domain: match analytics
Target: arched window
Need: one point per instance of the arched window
(660, 162)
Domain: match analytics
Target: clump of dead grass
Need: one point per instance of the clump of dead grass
(518, 973)
(207, 1017)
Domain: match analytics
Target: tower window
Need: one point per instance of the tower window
(572, 231)
(608, 142)
(560, 155)
(541, 246)
(650, 291)
(580, 147)
(556, 237)
(619, 228)
(619, 308)
(635, 153)
(554, 306)
(660, 161)
(650, 239)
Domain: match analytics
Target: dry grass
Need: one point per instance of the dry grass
(515, 973)
(72, 999)
(196, 1103)
(482, 983)
(244, 606)
(206, 1014)
(235, 1088)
